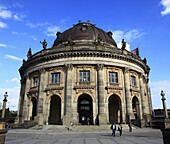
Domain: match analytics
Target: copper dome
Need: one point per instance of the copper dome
(84, 31)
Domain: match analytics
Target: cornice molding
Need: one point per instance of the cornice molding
(81, 53)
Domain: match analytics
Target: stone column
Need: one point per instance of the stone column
(95, 108)
(164, 104)
(21, 101)
(123, 104)
(129, 114)
(26, 98)
(101, 95)
(68, 94)
(42, 94)
(148, 96)
(4, 105)
(143, 99)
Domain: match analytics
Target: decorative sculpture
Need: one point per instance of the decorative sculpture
(164, 104)
(70, 41)
(29, 54)
(44, 43)
(99, 39)
(58, 34)
(123, 44)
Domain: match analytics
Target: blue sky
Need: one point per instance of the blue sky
(143, 23)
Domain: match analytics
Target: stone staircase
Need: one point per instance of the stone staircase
(80, 127)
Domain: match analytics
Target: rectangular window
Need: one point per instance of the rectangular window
(55, 78)
(35, 81)
(133, 80)
(113, 78)
(84, 76)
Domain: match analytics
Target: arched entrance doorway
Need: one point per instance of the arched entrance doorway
(135, 107)
(85, 109)
(34, 108)
(115, 113)
(55, 110)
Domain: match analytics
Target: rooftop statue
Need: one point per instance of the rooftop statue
(123, 44)
(70, 41)
(29, 54)
(44, 43)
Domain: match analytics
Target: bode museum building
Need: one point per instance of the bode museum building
(84, 78)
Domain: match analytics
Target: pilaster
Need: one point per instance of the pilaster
(26, 98)
(129, 114)
(21, 101)
(68, 94)
(142, 94)
(42, 94)
(101, 95)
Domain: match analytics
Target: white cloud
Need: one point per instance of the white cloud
(15, 33)
(119, 45)
(13, 80)
(13, 97)
(166, 5)
(118, 35)
(13, 57)
(3, 25)
(51, 31)
(33, 37)
(156, 88)
(3, 45)
(4, 13)
(133, 34)
(19, 17)
(128, 36)
(17, 4)
(31, 25)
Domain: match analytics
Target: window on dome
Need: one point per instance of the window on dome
(133, 80)
(113, 78)
(55, 78)
(84, 76)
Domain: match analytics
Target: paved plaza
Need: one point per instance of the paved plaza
(138, 136)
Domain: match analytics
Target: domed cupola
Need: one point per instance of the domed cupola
(84, 32)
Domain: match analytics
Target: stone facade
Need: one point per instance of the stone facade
(86, 78)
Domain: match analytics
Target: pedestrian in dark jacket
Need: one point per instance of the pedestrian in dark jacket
(130, 127)
(113, 127)
(120, 129)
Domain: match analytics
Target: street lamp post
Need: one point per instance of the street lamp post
(4, 105)
(164, 104)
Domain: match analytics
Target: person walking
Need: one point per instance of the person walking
(120, 129)
(130, 127)
(113, 129)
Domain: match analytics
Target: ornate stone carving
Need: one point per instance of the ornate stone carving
(69, 67)
(126, 69)
(100, 66)
(69, 47)
(41, 70)
(84, 67)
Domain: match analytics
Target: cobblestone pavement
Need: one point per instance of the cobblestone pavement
(138, 136)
